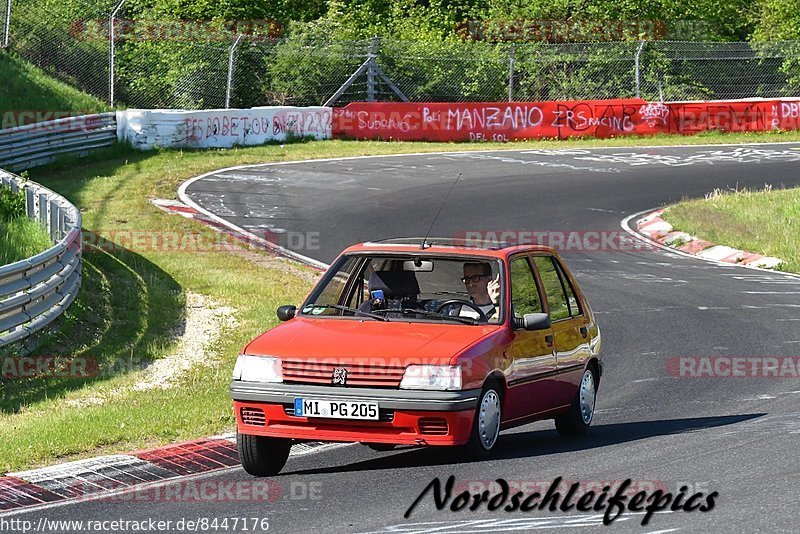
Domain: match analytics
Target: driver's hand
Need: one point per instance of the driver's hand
(493, 287)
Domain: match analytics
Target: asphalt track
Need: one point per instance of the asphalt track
(736, 436)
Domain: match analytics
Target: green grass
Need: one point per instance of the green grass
(21, 238)
(766, 222)
(132, 302)
(26, 88)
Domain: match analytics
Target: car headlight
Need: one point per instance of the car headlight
(250, 368)
(432, 377)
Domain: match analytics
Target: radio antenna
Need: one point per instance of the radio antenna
(422, 246)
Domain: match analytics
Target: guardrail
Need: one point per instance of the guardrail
(36, 144)
(34, 291)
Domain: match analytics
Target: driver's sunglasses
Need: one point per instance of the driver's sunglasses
(473, 278)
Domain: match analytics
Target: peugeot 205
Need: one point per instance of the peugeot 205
(441, 344)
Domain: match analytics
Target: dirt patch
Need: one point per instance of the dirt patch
(205, 319)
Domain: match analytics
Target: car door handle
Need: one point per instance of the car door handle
(549, 339)
(584, 331)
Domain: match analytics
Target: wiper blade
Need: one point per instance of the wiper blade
(349, 309)
(458, 318)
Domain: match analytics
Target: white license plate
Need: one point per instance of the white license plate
(335, 409)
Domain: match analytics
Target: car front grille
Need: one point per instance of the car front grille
(433, 426)
(384, 415)
(358, 375)
(253, 416)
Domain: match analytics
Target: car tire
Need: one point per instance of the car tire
(576, 421)
(381, 447)
(486, 424)
(262, 456)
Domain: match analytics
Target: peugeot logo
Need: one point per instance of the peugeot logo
(339, 376)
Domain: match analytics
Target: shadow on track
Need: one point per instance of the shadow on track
(538, 443)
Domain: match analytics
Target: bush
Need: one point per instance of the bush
(12, 205)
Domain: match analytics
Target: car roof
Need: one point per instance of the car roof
(448, 246)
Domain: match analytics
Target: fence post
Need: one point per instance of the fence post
(7, 29)
(636, 63)
(511, 59)
(30, 203)
(371, 70)
(230, 71)
(111, 51)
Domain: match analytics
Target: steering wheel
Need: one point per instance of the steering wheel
(467, 303)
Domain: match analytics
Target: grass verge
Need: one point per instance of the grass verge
(131, 310)
(21, 238)
(28, 94)
(766, 222)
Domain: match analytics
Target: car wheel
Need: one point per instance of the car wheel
(381, 447)
(486, 426)
(262, 456)
(577, 420)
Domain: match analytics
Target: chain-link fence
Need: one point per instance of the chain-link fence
(156, 63)
(50, 36)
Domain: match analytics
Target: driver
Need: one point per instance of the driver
(483, 291)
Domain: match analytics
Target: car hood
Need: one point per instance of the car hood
(350, 341)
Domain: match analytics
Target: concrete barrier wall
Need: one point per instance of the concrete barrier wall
(507, 121)
(221, 128)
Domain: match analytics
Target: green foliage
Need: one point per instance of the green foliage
(776, 20)
(424, 48)
(12, 204)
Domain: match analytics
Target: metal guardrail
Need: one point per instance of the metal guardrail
(27, 146)
(35, 291)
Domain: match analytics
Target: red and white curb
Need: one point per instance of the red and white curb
(193, 211)
(660, 231)
(104, 476)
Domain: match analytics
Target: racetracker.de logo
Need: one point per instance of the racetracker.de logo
(195, 242)
(734, 366)
(561, 240)
(194, 490)
(19, 367)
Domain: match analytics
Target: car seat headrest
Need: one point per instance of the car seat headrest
(394, 284)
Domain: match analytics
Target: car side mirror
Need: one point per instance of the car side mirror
(286, 312)
(533, 321)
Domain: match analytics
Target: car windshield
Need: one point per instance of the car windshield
(410, 288)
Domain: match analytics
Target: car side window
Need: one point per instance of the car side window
(524, 295)
(557, 299)
(574, 305)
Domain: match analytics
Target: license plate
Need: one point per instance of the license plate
(335, 409)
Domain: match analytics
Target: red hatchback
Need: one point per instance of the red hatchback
(444, 343)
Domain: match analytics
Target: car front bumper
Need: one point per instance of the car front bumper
(409, 417)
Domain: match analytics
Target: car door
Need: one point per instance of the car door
(531, 374)
(569, 325)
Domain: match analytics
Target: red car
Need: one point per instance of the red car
(441, 343)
